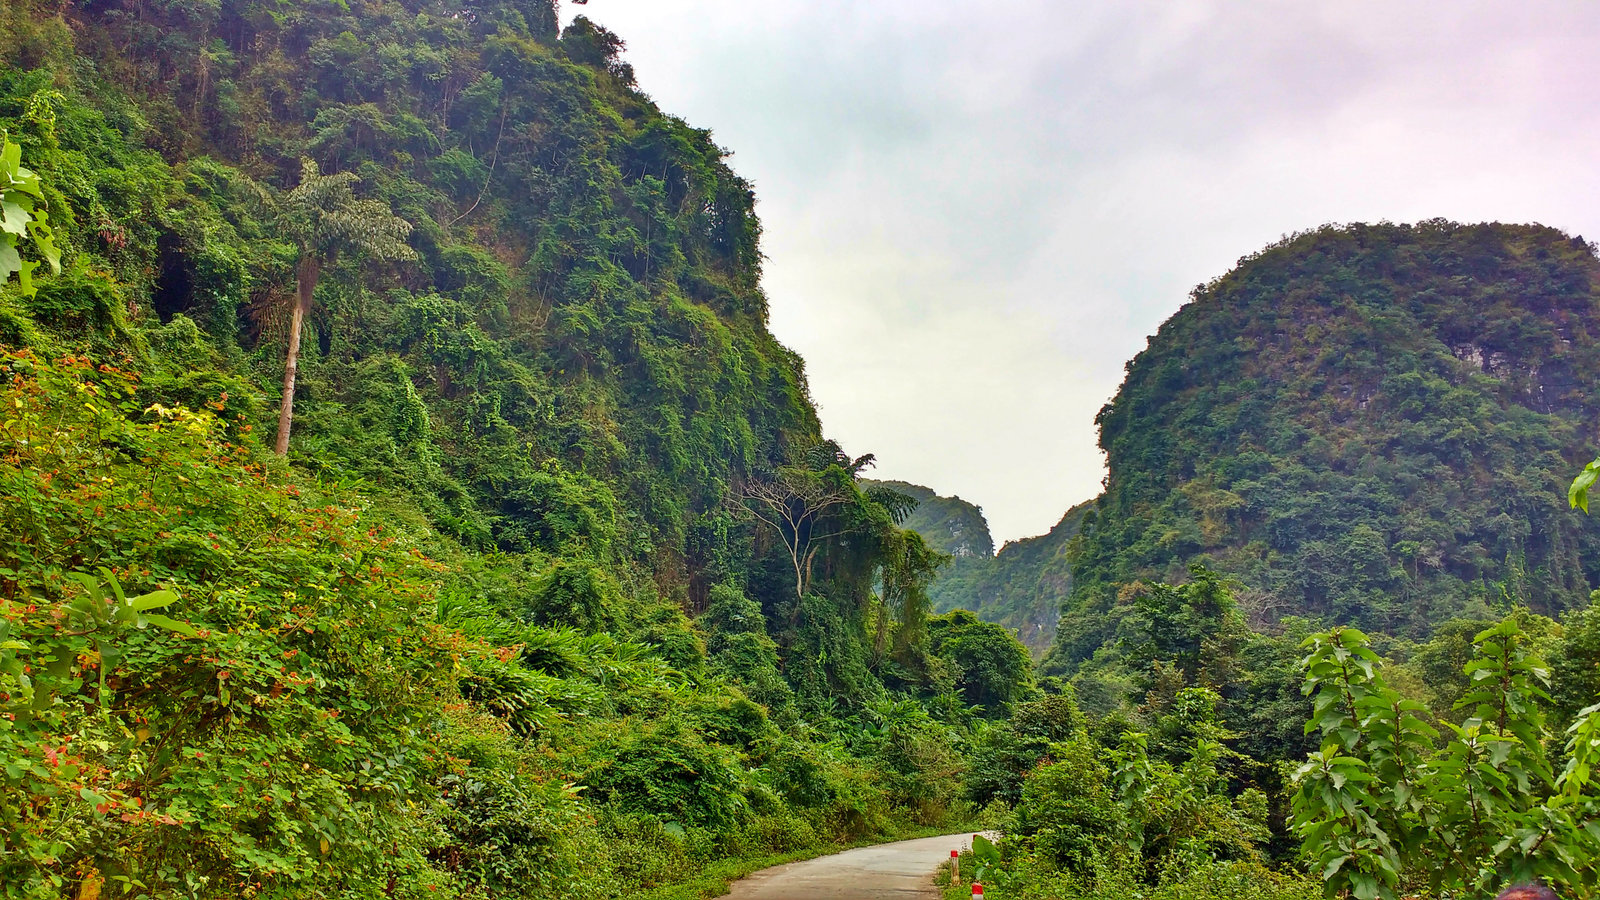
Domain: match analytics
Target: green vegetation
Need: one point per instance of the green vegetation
(1364, 425)
(1381, 807)
(1021, 588)
(23, 220)
(950, 525)
(323, 217)
(558, 588)
(1452, 768)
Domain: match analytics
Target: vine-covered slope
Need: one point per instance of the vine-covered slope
(1370, 424)
(586, 302)
(1021, 588)
(507, 620)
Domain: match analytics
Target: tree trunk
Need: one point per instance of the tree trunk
(882, 631)
(305, 282)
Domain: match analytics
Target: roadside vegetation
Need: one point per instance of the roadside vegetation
(388, 414)
(401, 495)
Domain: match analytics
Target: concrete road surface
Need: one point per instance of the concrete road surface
(899, 871)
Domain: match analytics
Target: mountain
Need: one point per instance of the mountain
(559, 587)
(949, 524)
(1021, 588)
(1372, 424)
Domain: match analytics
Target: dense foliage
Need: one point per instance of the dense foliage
(949, 524)
(506, 620)
(1385, 807)
(1448, 768)
(1021, 588)
(23, 220)
(559, 590)
(1111, 817)
(1365, 425)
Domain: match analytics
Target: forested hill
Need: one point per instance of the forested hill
(1371, 424)
(585, 304)
(558, 589)
(949, 524)
(1021, 588)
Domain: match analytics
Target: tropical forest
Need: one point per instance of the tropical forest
(403, 494)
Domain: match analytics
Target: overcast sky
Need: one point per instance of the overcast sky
(975, 213)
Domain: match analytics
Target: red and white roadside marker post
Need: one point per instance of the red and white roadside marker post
(955, 866)
(977, 891)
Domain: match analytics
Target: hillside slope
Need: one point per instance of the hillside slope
(1370, 424)
(506, 621)
(1022, 587)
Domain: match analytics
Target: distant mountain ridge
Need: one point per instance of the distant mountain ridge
(1369, 423)
(1021, 588)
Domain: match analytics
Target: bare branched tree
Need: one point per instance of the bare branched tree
(795, 504)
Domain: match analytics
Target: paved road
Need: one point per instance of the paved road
(899, 871)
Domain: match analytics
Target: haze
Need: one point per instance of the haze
(974, 215)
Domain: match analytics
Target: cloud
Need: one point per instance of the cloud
(975, 215)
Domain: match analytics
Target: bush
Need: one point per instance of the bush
(668, 772)
(283, 739)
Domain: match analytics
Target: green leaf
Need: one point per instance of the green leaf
(25, 277)
(26, 181)
(44, 241)
(170, 624)
(11, 162)
(1333, 866)
(14, 217)
(1578, 493)
(10, 260)
(153, 600)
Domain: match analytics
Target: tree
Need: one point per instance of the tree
(1191, 626)
(796, 500)
(1384, 811)
(994, 668)
(323, 216)
(908, 566)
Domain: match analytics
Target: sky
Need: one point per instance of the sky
(975, 214)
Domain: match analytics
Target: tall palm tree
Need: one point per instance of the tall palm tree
(323, 216)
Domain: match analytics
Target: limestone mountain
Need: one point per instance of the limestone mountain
(517, 612)
(1370, 424)
(1021, 588)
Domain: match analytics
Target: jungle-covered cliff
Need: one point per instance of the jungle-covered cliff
(1022, 587)
(949, 524)
(1371, 424)
(559, 588)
